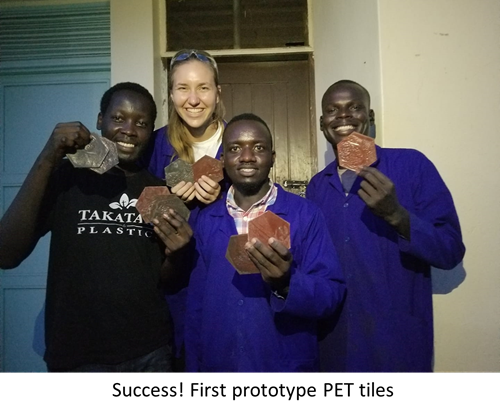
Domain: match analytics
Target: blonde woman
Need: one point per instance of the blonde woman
(195, 127)
(195, 123)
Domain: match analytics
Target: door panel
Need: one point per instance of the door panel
(280, 93)
(59, 79)
(32, 109)
(38, 260)
(34, 105)
(21, 344)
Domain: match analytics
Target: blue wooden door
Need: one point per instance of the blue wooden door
(59, 81)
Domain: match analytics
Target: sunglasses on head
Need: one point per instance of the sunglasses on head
(197, 54)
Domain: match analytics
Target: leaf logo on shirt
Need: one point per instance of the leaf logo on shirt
(124, 203)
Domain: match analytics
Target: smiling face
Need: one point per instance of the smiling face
(346, 109)
(128, 122)
(248, 157)
(194, 94)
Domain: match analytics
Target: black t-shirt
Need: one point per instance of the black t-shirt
(104, 303)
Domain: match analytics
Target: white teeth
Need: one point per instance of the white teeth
(344, 127)
(247, 170)
(121, 143)
(194, 110)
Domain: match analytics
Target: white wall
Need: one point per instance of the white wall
(132, 42)
(443, 58)
(346, 46)
(434, 70)
(135, 47)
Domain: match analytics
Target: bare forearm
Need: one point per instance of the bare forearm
(174, 275)
(167, 271)
(171, 276)
(18, 225)
(177, 268)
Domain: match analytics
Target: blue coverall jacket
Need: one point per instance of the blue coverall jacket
(235, 323)
(385, 324)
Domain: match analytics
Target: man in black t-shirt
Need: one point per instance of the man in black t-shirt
(104, 308)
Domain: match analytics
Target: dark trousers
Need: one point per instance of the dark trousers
(159, 360)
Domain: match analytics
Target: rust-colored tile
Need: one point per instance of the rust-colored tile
(210, 167)
(238, 256)
(356, 151)
(147, 197)
(162, 203)
(269, 225)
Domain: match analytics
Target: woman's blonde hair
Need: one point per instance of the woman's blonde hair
(177, 130)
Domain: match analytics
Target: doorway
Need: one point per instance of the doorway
(280, 92)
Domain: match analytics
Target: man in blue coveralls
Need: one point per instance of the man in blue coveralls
(387, 242)
(266, 321)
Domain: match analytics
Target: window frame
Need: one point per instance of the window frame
(262, 52)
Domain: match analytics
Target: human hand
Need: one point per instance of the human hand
(185, 191)
(273, 261)
(173, 230)
(66, 138)
(379, 194)
(207, 190)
